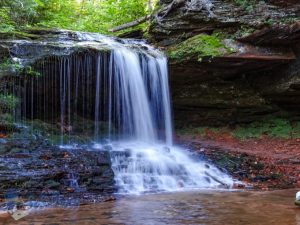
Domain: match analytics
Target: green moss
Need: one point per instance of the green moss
(244, 31)
(248, 5)
(6, 23)
(8, 65)
(198, 47)
(82, 131)
(289, 20)
(280, 128)
(51, 184)
(6, 117)
(11, 66)
(7, 103)
(12, 34)
(272, 127)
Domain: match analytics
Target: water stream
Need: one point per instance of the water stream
(124, 89)
(198, 207)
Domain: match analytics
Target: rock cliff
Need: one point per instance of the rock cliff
(231, 61)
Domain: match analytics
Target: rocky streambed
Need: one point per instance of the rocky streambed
(32, 168)
(261, 164)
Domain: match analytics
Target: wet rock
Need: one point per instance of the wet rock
(257, 75)
(108, 147)
(3, 149)
(166, 149)
(103, 159)
(110, 199)
(36, 204)
(275, 35)
(128, 153)
(32, 184)
(140, 155)
(254, 170)
(189, 19)
(51, 184)
(3, 141)
(45, 170)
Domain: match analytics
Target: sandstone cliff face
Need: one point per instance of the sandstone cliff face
(231, 61)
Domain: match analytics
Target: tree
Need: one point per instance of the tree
(84, 15)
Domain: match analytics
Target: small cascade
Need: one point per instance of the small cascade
(123, 88)
(72, 182)
(140, 168)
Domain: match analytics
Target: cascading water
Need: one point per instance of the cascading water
(125, 86)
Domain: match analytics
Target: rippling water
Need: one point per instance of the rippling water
(201, 207)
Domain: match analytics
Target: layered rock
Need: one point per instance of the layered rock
(32, 167)
(246, 67)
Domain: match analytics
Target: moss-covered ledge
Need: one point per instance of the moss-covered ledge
(13, 35)
(197, 47)
(221, 50)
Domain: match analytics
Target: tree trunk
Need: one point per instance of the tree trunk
(130, 24)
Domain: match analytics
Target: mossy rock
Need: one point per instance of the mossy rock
(3, 149)
(17, 150)
(198, 47)
(51, 184)
(18, 35)
(32, 184)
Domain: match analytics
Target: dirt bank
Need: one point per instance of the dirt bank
(265, 163)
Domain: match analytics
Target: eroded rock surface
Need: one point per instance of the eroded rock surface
(256, 76)
(32, 167)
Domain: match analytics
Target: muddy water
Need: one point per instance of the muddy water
(199, 207)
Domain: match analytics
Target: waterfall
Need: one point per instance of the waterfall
(124, 90)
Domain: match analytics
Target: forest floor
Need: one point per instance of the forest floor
(263, 163)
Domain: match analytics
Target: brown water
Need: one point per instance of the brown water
(199, 207)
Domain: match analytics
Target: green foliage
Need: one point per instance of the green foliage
(6, 23)
(15, 67)
(17, 13)
(243, 31)
(273, 128)
(248, 5)
(14, 34)
(9, 65)
(7, 103)
(104, 15)
(82, 15)
(289, 20)
(58, 13)
(28, 70)
(269, 22)
(198, 47)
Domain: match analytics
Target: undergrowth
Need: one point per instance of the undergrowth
(274, 128)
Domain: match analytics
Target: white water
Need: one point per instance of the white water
(147, 163)
(127, 89)
(137, 90)
(141, 167)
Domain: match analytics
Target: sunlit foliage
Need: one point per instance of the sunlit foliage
(82, 15)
